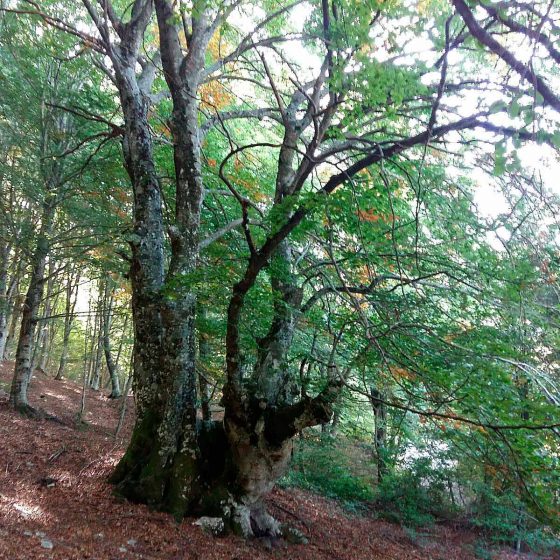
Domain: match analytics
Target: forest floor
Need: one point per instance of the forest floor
(55, 501)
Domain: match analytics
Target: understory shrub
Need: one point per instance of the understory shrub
(413, 496)
(504, 520)
(325, 466)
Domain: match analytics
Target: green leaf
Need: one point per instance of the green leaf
(497, 107)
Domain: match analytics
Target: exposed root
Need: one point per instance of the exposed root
(37, 414)
(254, 521)
(30, 412)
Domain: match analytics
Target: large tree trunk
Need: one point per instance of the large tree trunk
(260, 448)
(160, 465)
(261, 418)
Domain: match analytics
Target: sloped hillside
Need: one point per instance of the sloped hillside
(55, 501)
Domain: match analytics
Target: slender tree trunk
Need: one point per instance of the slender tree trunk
(41, 348)
(124, 402)
(55, 138)
(111, 365)
(14, 320)
(86, 372)
(124, 335)
(15, 301)
(95, 376)
(380, 437)
(117, 360)
(90, 336)
(333, 428)
(53, 332)
(72, 283)
(4, 301)
(24, 352)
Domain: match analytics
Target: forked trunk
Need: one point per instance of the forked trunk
(160, 465)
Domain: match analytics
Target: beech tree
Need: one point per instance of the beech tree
(366, 117)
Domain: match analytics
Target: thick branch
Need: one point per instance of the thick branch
(534, 34)
(522, 69)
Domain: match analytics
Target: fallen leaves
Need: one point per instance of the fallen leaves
(78, 517)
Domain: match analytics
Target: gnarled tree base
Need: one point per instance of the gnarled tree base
(221, 482)
(225, 470)
(151, 475)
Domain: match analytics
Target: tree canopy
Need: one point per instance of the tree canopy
(306, 208)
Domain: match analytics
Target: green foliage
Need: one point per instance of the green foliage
(412, 291)
(504, 520)
(413, 496)
(325, 466)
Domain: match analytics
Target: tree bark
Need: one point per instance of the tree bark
(160, 465)
(380, 436)
(203, 377)
(169, 429)
(24, 352)
(4, 305)
(41, 352)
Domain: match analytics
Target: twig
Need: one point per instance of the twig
(57, 454)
